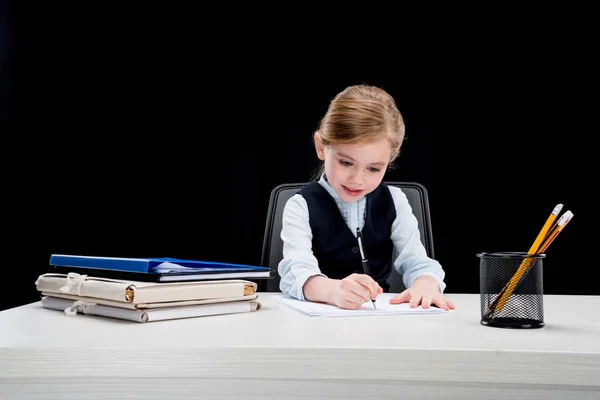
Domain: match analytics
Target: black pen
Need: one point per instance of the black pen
(363, 257)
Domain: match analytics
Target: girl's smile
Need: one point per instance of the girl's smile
(351, 192)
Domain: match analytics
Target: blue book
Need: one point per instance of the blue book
(156, 269)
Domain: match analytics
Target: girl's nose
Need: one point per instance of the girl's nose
(357, 177)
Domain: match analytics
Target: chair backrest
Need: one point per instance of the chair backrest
(272, 250)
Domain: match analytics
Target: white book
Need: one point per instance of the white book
(145, 306)
(71, 308)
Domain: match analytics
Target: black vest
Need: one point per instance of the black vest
(336, 248)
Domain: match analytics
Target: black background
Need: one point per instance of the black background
(145, 133)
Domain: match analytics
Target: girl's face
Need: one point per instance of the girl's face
(355, 170)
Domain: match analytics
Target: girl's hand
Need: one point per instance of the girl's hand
(354, 290)
(425, 291)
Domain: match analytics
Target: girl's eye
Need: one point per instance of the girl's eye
(373, 169)
(345, 163)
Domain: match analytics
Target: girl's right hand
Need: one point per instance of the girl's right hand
(355, 290)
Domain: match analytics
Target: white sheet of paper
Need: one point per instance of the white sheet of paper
(383, 307)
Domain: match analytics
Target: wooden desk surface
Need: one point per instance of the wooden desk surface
(277, 351)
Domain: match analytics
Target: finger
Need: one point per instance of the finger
(349, 305)
(355, 291)
(403, 297)
(450, 303)
(440, 302)
(415, 300)
(358, 297)
(426, 301)
(369, 283)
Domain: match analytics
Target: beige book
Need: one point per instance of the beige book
(135, 292)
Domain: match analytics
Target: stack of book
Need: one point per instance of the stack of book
(146, 290)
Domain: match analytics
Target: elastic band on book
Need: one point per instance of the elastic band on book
(74, 283)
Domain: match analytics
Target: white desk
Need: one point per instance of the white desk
(277, 352)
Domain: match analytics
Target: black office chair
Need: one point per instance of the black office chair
(272, 251)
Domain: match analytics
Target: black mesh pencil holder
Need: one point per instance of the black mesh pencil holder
(511, 287)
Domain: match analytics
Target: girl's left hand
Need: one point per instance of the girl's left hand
(425, 291)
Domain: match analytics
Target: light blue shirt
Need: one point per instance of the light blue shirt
(299, 263)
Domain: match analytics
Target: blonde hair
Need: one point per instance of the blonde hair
(362, 113)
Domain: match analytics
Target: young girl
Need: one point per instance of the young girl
(357, 140)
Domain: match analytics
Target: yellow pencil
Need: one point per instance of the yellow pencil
(562, 222)
(551, 218)
(551, 232)
(505, 293)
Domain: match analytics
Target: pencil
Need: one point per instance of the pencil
(550, 236)
(563, 221)
(545, 229)
(502, 297)
(510, 287)
(560, 225)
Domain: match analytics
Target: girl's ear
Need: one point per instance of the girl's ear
(319, 146)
